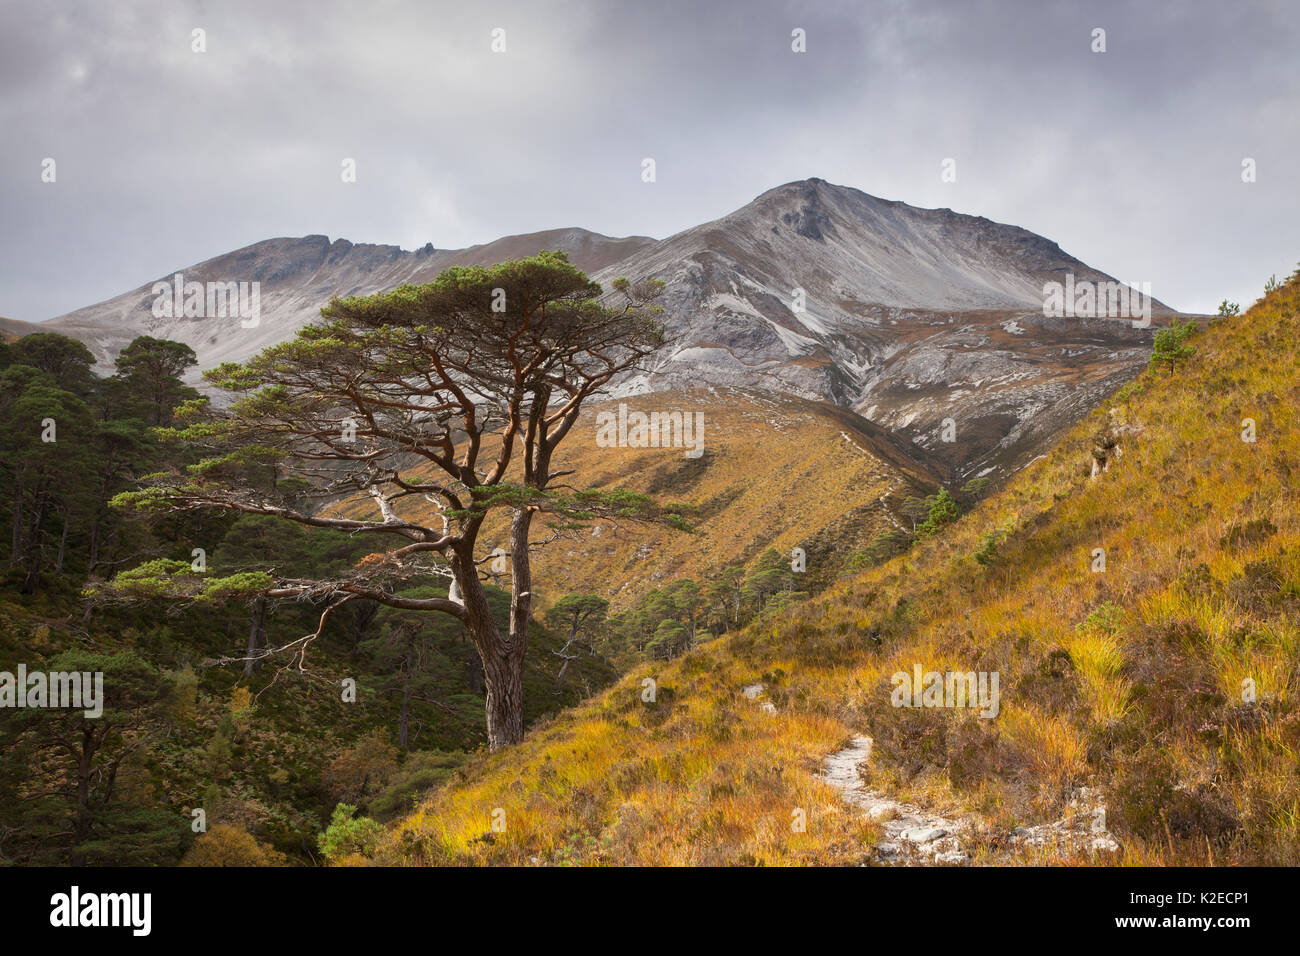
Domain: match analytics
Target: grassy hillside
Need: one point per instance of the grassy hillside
(775, 472)
(1129, 680)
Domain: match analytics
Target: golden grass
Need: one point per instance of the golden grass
(776, 472)
(1128, 680)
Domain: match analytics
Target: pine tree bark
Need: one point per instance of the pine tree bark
(93, 557)
(32, 582)
(404, 723)
(16, 547)
(502, 656)
(503, 675)
(81, 822)
(255, 631)
(63, 547)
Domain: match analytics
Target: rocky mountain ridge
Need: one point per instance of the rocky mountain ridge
(926, 321)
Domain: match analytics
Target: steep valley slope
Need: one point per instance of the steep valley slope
(774, 472)
(1142, 618)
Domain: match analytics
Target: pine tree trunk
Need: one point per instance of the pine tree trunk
(404, 725)
(81, 822)
(505, 701)
(94, 544)
(63, 547)
(33, 546)
(502, 659)
(254, 637)
(16, 547)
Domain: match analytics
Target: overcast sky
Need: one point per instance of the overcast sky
(1131, 159)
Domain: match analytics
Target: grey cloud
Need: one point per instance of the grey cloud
(1129, 159)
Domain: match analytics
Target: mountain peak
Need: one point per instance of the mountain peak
(907, 315)
(816, 187)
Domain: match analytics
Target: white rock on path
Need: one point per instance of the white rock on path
(913, 835)
(910, 833)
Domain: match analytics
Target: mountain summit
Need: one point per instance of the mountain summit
(911, 317)
(851, 251)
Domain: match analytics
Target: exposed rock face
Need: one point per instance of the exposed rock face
(909, 316)
(925, 321)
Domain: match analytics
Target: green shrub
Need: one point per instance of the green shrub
(1171, 343)
(348, 836)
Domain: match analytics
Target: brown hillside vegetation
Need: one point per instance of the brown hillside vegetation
(774, 472)
(1131, 680)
